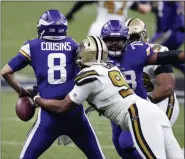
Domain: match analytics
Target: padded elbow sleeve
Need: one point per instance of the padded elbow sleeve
(168, 57)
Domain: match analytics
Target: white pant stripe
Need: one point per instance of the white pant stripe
(31, 134)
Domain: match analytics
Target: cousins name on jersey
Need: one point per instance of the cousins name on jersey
(47, 46)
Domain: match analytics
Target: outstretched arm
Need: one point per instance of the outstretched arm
(77, 6)
(167, 57)
(165, 80)
(85, 84)
(56, 105)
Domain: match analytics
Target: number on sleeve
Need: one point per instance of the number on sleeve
(136, 43)
(118, 81)
(53, 68)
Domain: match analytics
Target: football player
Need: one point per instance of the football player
(105, 88)
(131, 57)
(159, 80)
(52, 56)
(169, 26)
(108, 10)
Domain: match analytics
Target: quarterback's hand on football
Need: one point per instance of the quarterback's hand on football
(33, 91)
(23, 93)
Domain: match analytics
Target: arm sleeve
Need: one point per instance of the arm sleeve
(163, 69)
(22, 59)
(80, 93)
(168, 57)
(18, 62)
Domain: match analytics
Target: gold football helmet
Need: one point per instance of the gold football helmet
(92, 50)
(137, 26)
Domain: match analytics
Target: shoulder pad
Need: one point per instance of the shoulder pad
(85, 77)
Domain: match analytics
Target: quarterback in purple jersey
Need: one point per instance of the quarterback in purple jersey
(170, 29)
(130, 56)
(52, 57)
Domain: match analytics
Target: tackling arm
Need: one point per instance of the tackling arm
(85, 84)
(165, 80)
(57, 106)
(167, 57)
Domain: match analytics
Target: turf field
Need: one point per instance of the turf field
(19, 24)
(14, 132)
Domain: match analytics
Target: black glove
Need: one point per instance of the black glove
(33, 91)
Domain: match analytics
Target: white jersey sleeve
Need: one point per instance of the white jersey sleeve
(80, 93)
(85, 83)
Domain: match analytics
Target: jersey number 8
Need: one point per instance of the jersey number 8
(53, 68)
(119, 81)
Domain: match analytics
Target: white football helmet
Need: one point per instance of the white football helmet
(92, 50)
(137, 26)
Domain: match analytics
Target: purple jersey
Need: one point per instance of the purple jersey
(169, 15)
(53, 63)
(131, 65)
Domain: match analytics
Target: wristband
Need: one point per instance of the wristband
(35, 97)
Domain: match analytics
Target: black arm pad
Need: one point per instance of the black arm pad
(168, 57)
(163, 69)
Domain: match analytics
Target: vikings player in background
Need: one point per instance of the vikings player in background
(169, 26)
(159, 80)
(108, 10)
(52, 56)
(131, 57)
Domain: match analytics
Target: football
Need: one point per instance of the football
(25, 109)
